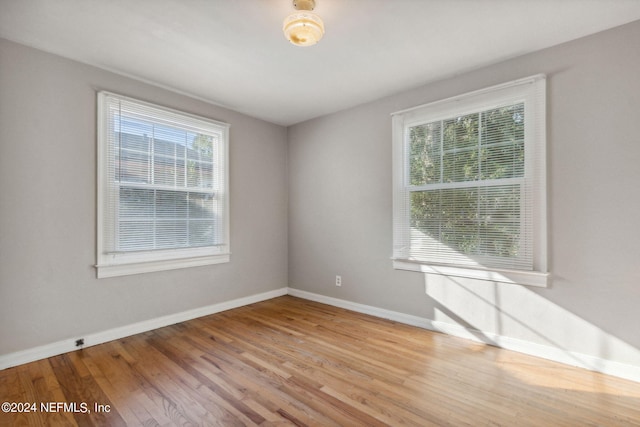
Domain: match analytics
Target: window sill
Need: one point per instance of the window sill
(125, 269)
(516, 277)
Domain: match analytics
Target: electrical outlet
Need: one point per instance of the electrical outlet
(338, 280)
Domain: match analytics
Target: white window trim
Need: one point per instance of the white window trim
(114, 270)
(121, 264)
(514, 277)
(461, 105)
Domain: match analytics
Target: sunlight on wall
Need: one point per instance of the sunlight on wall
(512, 316)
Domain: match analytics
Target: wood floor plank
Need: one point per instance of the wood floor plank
(254, 380)
(79, 387)
(294, 362)
(175, 394)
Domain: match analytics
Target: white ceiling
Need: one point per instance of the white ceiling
(233, 53)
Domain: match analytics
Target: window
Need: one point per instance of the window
(469, 185)
(162, 188)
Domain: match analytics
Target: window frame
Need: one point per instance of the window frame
(532, 92)
(112, 263)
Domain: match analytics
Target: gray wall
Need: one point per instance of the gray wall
(48, 286)
(340, 207)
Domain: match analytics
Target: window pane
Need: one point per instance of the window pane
(502, 153)
(135, 235)
(163, 219)
(171, 204)
(133, 127)
(460, 132)
(199, 174)
(469, 221)
(499, 221)
(460, 149)
(200, 147)
(202, 233)
(135, 202)
(426, 212)
(164, 148)
(133, 167)
(201, 206)
(170, 234)
(164, 170)
(460, 165)
(134, 142)
(488, 145)
(424, 146)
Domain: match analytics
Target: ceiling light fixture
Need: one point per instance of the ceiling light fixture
(303, 28)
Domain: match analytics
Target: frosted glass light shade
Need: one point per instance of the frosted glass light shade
(303, 28)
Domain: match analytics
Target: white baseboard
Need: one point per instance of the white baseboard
(407, 319)
(592, 363)
(64, 346)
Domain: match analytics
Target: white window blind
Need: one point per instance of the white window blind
(163, 187)
(469, 182)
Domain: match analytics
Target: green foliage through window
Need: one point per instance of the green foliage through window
(465, 177)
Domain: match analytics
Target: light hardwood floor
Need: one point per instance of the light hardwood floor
(289, 361)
